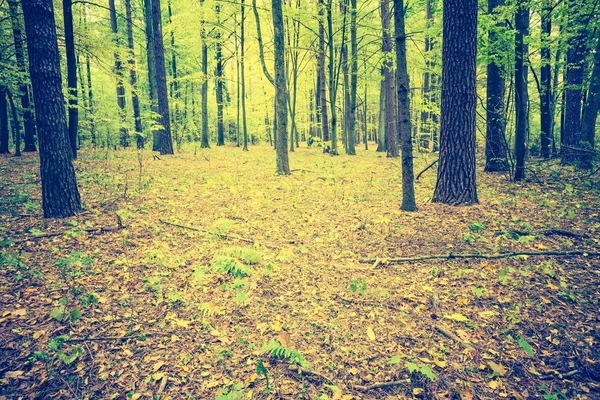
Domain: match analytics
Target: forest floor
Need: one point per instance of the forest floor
(272, 284)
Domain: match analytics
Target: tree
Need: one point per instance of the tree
(283, 167)
(60, 196)
(71, 75)
(16, 126)
(135, 101)
(546, 114)
(26, 106)
(456, 182)
(590, 112)
(166, 143)
(204, 88)
(151, 61)
(388, 80)
(353, 80)
(496, 157)
(321, 79)
(521, 94)
(404, 125)
(4, 136)
(242, 75)
(123, 131)
(219, 82)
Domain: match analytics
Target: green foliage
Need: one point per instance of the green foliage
(247, 255)
(423, 369)
(477, 227)
(231, 266)
(526, 346)
(276, 350)
(232, 392)
(358, 286)
(262, 370)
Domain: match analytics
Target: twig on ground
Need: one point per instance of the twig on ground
(106, 338)
(379, 385)
(548, 232)
(303, 371)
(451, 335)
(54, 234)
(559, 375)
(451, 256)
(426, 169)
(366, 302)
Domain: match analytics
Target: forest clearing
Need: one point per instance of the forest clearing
(138, 306)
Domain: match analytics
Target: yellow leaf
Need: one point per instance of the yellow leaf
(285, 339)
(417, 391)
(371, 334)
(440, 363)
(13, 374)
(534, 371)
(495, 384)
(38, 334)
(457, 317)
(136, 396)
(497, 368)
(157, 366)
(277, 326)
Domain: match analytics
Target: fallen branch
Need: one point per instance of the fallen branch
(106, 338)
(549, 232)
(451, 335)
(379, 385)
(559, 375)
(451, 256)
(221, 235)
(426, 169)
(54, 234)
(303, 371)
(366, 302)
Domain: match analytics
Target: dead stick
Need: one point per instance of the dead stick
(451, 256)
(426, 169)
(379, 385)
(53, 234)
(548, 232)
(101, 338)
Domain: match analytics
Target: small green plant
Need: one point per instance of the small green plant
(477, 227)
(277, 350)
(231, 266)
(423, 369)
(232, 392)
(247, 255)
(262, 370)
(358, 286)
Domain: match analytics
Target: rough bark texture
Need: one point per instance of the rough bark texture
(576, 54)
(388, 79)
(496, 157)
(123, 131)
(150, 59)
(404, 125)
(219, 84)
(322, 87)
(590, 112)
(204, 89)
(545, 81)
(71, 75)
(166, 142)
(521, 95)
(353, 80)
(381, 127)
(3, 122)
(456, 173)
(283, 166)
(26, 106)
(60, 196)
(135, 101)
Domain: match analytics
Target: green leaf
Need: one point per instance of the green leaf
(58, 313)
(526, 346)
(412, 367)
(395, 360)
(75, 315)
(426, 370)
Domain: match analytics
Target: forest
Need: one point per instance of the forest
(299, 199)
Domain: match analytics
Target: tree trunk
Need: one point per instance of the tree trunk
(219, 82)
(576, 55)
(382, 126)
(176, 122)
(204, 88)
(521, 95)
(28, 118)
(332, 79)
(151, 61)
(123, 131)
(404, 125)
(322, 87)
(71, 75)
(545, 82)
(425, 111)
(135, 102)
(243, 77)
(496, 153)
(353, 80)
(388, 79)
(166, 142)
(283, 167)
(16, 126)
(60, 196)
(456, 182)
(4, 136)
(590, 112)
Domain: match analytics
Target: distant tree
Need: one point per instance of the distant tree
(71, 75)
(322, 83)
(590, 112)
(123, 131)
(521, 93)
(546, 114)
(283, 167)
(15, 124)
(204, 88)
(60, 196)
(388, 79)
(135, 101)
(456, 182)
(4, 136)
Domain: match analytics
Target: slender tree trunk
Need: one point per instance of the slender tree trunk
(590, 111)
(243, 76)
(238, 83)
(388, 80)
(382, 127)
(204, 88)
(151, 61)
(4, 135)
(456, 182)
(425, 113)
(219, 82)
(60, 196)
(332, 79)
(71, 75)
(283, 167)
(521, 95)
(135, 102)
(90, 93)
(322, 89)
(496, 153)
(162, 94)
(404, 124)
(545, 81)
(353, 80)
(28, 117)
(123, 131)
(176, 120)
(16, 126)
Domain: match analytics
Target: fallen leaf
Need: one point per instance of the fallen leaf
(495, 384)
(371, 334)
(13, 374)
(457, 317)
(497, 368)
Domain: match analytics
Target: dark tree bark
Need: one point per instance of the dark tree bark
(496, 152)
(151, 69)
(590, 112)
(243, 76)
(219, 82)
(388, 79)
(4, 136)
(404, 125)
(162, 94)
(204, 89)
(16, 126)
(176, 122)
(521, 95)
(382, 126)
(456, 182)
(332, 78)
(123, 131)
(353, 80)
(135, 101)
(283, 167)
(60, 196)
(26, 106)
(546, 114)
(322, 89)
(576, 55)
(71, 75)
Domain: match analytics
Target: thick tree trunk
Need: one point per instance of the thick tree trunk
(150, 59)
(404, 125)
(388, 79)
(332, 78)
(590, 112)
(456, 182)
(545, 82)
(496, 152)
(28, 118)
(521, 95)
(353, 80)
(322, 87)
(4, 136)
(382, 126)
(123, 131)
(166, 142)
(135, 101)
(283, 167)
(71, 75)
(60, 196)
(204, 89)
